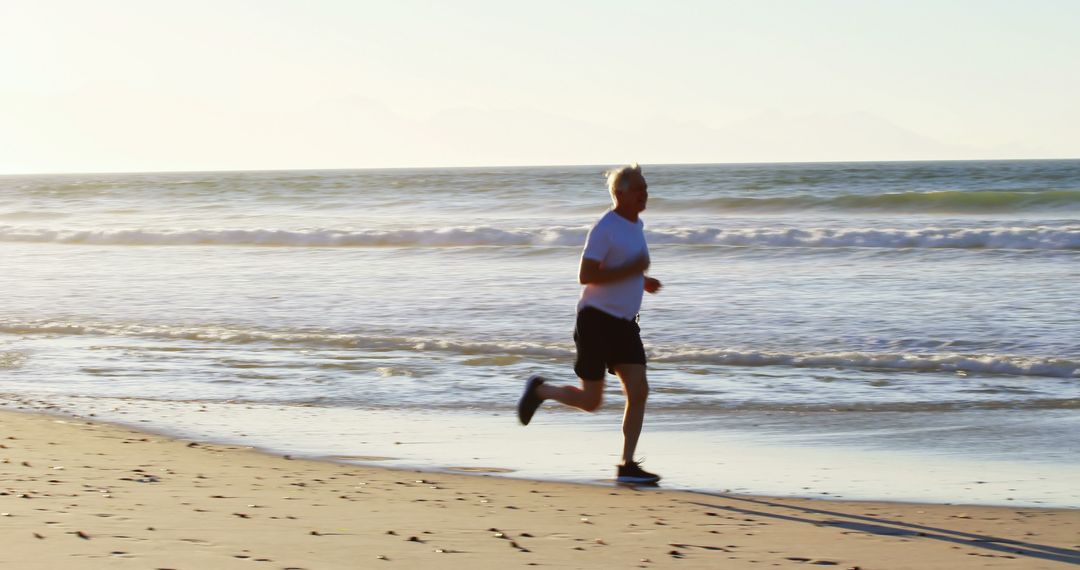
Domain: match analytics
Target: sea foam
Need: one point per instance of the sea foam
(1033, 238)
(999, 364)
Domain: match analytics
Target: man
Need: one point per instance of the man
(607, 336)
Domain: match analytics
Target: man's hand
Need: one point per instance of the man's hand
(652, 285)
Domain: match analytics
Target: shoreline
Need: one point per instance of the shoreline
(779, 456)
(85, 492)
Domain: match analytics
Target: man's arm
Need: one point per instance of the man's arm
(591, 271)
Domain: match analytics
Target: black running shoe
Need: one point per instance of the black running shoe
(633, 473)
(529, 400)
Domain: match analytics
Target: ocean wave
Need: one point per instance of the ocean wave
(1049, 238)
(1007, 365)
(948, 201)
(440, 237)
(996, 364)
(708, 405)
(1027, 238)
(323, 339)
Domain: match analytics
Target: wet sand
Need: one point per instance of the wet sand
(820, 456)
(81, 494)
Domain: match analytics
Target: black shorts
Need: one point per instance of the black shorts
(604, 341)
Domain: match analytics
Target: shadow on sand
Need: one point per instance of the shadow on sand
(874, 525)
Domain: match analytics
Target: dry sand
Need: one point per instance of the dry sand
(77, 494)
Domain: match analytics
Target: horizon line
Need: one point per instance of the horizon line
(568, 165)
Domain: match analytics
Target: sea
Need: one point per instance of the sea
(903, 331)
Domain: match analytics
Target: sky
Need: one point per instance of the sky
(164, 85)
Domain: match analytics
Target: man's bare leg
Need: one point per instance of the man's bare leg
(587, 398)
(636, 388)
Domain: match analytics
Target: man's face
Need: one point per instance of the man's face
(635, 196)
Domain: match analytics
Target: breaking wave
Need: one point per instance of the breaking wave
(997, 364)
(1028, 238)
(946, 362)
(949, 201)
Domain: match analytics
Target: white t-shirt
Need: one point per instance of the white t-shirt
(615, 241)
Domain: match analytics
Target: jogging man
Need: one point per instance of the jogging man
(607, 336)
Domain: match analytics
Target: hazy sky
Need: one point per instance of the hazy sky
(114, 85)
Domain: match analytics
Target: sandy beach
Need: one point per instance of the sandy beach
(84, 494)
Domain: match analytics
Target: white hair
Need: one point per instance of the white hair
(618, 179)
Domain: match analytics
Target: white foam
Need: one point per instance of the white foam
(1042, 237)
(959, 238)
(942, 362)
(1011, 365)
(301, 338)
(440, 237)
